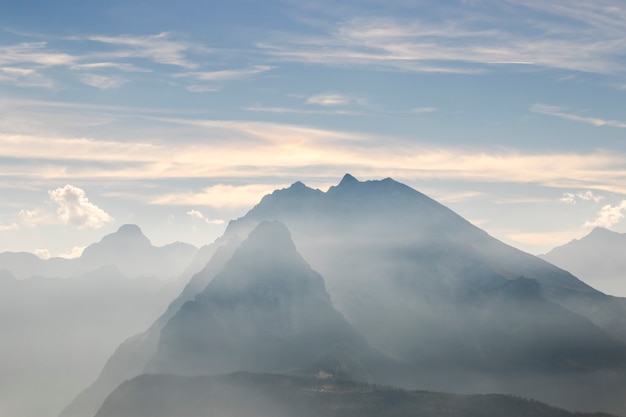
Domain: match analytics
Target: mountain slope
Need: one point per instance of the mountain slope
(267, 310)
(132, 356)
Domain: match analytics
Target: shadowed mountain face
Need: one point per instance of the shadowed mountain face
(598, 258)
(459, 310)
(264, 395)
(267, 310)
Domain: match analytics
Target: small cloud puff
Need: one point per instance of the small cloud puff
(329, 100)
(76, 209)
(197, 215)
(572, 198)
(42, 253)
(73, 253)
(608, 216)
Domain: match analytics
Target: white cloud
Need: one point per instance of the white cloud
(43, 253)
(608, 216)
(461, 43)
(24, 77)
(161, 48)
(330, 100)
(73, 253)
(198, 215)
(202, 88)
(32, 218)
(10, 226)
(419, 110)
(227, 75)
(571, 198)
(34, 53)
(560, 112)
(76, 209)
(102, 82)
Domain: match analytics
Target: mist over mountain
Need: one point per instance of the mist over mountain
(457, 309)
(598, 258)
(267, 310)
(58, 332)
(63, 318)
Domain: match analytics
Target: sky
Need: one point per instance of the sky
(179, 116)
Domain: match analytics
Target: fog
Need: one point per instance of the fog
(61, 319)
(371, 282)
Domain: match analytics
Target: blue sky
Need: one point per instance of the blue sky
(179, 116)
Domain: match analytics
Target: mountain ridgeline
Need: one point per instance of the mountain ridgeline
(375, 282)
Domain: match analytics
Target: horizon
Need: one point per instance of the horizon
(180, 118)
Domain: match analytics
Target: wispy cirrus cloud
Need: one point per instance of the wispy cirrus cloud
(161, 48)
(102, 82)
(24, 77)
(562, 113)
(472, 38)
(34, 53)
(227, 75)
(247, 149)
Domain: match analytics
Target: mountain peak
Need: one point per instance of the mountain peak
(272, 231)
(130, 229)
(348, 180)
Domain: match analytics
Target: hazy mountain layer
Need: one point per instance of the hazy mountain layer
(264, 395)
(57, 333)
(598, 258)
(458, 309)
(128, 249)
(132, 356)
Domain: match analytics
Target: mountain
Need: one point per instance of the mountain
(598, 258)
(458, 309)
(266, 311)
(128, 249)
(132, 356)
(62, 318)
(261, 395)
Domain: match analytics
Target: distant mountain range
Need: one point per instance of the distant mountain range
(63, 318)
(374, 281)
(599, 259)
(128, 249)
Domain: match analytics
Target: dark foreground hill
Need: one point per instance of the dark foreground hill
(268, 395)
